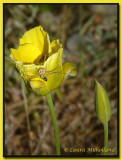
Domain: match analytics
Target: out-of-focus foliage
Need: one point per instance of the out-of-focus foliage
(89, 37)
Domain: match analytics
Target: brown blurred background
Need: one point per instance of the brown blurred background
(89, 37)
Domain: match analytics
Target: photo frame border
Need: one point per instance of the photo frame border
(118, 91)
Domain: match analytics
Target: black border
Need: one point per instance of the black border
(118, 124)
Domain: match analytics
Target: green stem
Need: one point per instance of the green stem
(52, 111)
(105, 136)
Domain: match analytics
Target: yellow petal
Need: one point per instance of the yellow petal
(47, 43)
(38, 37)
(34, 36)
(47, 47)
(69, 68)
(39, 86)
(26, 53)
(54, 61)
(54, 80)
(55, 45)
(54, 70)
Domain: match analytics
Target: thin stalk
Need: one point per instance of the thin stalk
(27, 116)
(52, 111)
(105, 136)
(58, 94)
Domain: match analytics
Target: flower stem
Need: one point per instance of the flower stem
(105, 137)
(52, 111)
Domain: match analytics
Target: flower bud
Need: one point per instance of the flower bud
(102, 103)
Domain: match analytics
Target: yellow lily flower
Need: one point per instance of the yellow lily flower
(40, 62)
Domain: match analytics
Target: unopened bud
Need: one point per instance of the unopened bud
(102, 103)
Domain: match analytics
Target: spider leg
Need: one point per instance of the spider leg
(55, 73)
(54, 69)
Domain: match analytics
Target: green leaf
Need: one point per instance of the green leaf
(102, 103)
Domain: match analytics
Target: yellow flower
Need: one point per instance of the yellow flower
(40, 62)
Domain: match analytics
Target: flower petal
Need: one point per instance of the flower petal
(69, 68)
(47, 47)
(53, 67)
(39, 86)
(54, 80)
(26, 53)
(55, 46)
(38, 37)
(54, 61)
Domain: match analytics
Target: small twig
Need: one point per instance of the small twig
(86, 26)
(63, 25)
(59, 94)
(27, 115)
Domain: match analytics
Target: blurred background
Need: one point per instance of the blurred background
(88, 34)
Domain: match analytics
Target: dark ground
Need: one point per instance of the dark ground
(89, 36)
